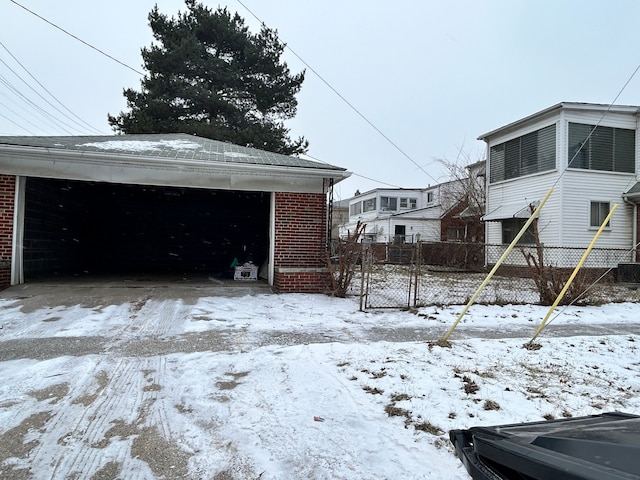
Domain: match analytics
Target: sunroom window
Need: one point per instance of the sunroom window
(388, 204)
(601, 148)
(369, 205)
(531, 153)
(408, 203)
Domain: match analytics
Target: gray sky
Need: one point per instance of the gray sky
(431, 76)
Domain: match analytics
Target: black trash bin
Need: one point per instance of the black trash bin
(597, 447)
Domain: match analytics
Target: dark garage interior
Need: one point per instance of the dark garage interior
(91, 228)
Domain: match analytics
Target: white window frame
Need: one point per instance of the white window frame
(369, 205)
(601, 214)
(408, 203)
(388, 204)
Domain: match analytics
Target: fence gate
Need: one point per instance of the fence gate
(390, 279)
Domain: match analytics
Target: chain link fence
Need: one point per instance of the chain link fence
(417, 275)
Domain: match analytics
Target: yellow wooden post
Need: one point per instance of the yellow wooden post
(497, 265)
(574, 273)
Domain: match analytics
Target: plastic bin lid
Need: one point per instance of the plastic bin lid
(598, 447)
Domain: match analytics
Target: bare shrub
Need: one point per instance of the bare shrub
(342, 266)
(549, 279)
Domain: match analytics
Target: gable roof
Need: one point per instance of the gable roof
(158, 158)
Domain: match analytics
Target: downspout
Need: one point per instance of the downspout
(634, 226)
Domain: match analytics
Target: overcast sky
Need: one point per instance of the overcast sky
(429, 76)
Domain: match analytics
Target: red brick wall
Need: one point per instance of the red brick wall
(7, 196)
(300, 243)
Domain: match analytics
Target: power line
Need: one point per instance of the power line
(46, 116)
(83, 123)
(77, 38)
(349, 104)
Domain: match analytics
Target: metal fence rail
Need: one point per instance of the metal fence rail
(399, 276)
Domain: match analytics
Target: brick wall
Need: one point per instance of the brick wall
(7, 195)
(300, 243)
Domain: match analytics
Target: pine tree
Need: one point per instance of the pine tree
(209, 76)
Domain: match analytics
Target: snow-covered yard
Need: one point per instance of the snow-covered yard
(288, 386)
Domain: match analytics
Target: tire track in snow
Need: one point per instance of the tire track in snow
(93, 428)
(151, 318)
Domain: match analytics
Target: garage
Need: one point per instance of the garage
(161, 204)
(96, 228)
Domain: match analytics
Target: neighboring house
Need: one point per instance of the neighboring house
(339, 215)
(589, 154)
(396, 215)
(174, 204)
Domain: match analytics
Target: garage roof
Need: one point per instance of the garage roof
(170, 159)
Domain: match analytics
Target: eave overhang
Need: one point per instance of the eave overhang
(146, 170)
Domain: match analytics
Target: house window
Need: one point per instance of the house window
(599, 211)
(607, 148)
(532, 153)
(388, 204)
(369, 205)
(429, 197)
(408, 203)
(355, 208)
(512, 226)
(455, 234)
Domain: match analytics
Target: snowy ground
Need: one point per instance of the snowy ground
(287, 386)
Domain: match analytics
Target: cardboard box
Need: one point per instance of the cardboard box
(246, 272)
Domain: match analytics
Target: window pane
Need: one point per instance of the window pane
(578, 157)
(512, 226)
(526, 155)
(599, 211)
(388, 203)
(496, 160)
(369, 205)
(624, 153)
(547, 148)
(608, 149)
(529, 152)
(602, 149)
(512, 159)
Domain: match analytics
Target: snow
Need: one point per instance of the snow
(302, 386)
(142, 145)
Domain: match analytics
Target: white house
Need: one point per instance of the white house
(589, 154)
(402, 215)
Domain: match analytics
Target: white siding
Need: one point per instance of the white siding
(580, 188)
(523, 192)
(564, 221)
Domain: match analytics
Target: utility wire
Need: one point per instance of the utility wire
(30, 102)
(349, 104)
(12, 121)
(602, 117)
(77, 38)
(43, 113)
(82, 122)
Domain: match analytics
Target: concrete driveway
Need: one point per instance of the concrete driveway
(116, 336)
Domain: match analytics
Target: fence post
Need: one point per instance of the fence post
(418, 268)
(362, 280)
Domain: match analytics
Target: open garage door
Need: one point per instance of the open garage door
(92, 228)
